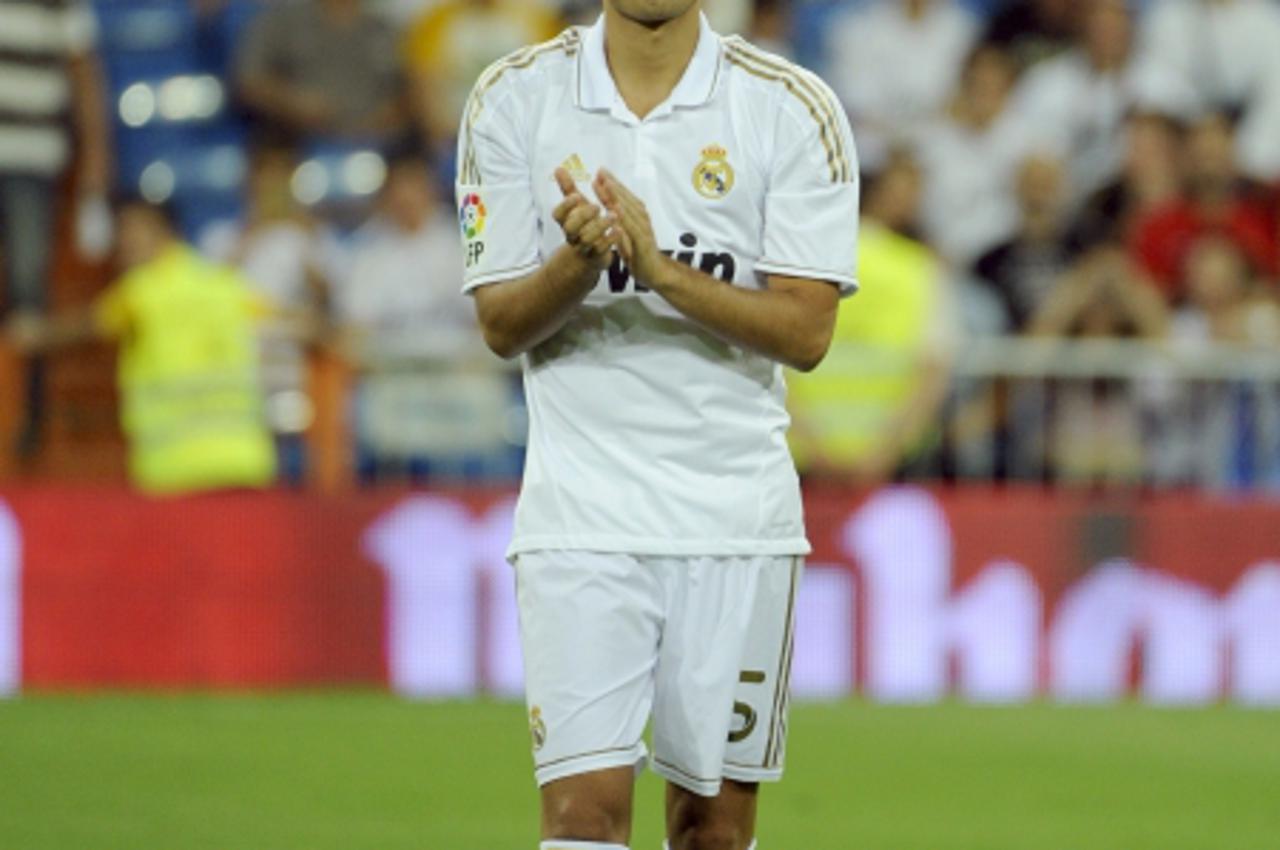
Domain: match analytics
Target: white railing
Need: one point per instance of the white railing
(1107, 413)
(1114, 413)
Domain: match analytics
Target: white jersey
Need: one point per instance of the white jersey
(648, 433)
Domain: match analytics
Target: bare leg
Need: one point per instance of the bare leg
(590, 807)
(726, 822)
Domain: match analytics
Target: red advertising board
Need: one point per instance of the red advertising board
(911, 594)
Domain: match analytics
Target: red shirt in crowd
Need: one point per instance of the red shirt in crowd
(1161, 239)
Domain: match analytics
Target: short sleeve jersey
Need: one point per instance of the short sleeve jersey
(649, 434)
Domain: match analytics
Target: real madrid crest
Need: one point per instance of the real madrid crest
(713, 178)
(537, 728)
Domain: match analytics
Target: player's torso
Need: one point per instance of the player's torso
(630, 402)
(698, 171)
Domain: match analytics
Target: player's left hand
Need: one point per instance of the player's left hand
(638, 245)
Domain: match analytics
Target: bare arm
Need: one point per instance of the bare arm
(89, 112)
(283, 101)
(1145, 307)
(1108, 276)
(43, 335)
(516, 315)
(791, 321)
(1070, 295)
(910, 424)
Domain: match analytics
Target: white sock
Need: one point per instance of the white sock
(557, 844)
(666, 845)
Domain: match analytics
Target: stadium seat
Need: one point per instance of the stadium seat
(339, 174)
(222, 32)
(202, 177)
(194, 99)
(145, 26)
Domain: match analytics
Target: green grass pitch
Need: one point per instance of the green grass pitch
(355, 771)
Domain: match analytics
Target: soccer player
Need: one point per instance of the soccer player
(656, 219)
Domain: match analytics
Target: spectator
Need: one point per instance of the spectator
(323, 69)
(1023, 270)
(1223, 426)
(871, 406)
(424, 405)
(771, 27)
(287, 257)
(450, 45)
(1102, 297)
(50, 62)
(278, 246)
(970, 158)
(400, 289)
(1094, 432)
(1225, 301)
(729, 16)
(1077, 102)
(1033, 31)
(894, 64)
(1201, 55)
(1216, 199)
(191, 406)
(1151, 177)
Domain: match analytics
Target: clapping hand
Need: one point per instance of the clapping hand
(587, 229)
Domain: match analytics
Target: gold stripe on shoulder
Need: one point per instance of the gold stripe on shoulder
(811, 83)
(567, 41)
(832, 158)
(801, 80)
(804, 90)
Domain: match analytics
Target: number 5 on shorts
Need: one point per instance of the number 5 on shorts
(744, 710)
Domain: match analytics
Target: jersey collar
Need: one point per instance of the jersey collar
(597, 90)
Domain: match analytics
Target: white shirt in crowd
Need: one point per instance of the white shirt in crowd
(894, 73)
(969, 204)
(1079, 114)
(1197, 53)
(279, 260)
(36, 41)
(649, 434)
(403, 286)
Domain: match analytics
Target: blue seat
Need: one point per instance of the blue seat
(138, 148)
(202, 176)
(193, 99)
(808, 30)
(145, 26)
(222, 33)
(339, 174)
(196, 213)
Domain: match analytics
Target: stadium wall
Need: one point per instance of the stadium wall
(911, 595)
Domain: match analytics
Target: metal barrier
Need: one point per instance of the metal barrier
(1105, 413)
(1114, 414)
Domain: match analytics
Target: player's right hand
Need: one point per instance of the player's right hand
(587, 229)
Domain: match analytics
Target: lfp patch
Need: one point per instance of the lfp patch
(471, 216)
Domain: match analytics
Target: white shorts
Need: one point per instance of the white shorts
(702, 644)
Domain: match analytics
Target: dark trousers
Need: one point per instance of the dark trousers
(27, 216)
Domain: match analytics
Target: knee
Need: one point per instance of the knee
(698, 827)
(586, 818)
(710, 835)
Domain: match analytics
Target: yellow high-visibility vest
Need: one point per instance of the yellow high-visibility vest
(880, 337)
(191, 405)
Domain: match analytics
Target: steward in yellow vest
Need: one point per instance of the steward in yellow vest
(191, 405)
(872, 403)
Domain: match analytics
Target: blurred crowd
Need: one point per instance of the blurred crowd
(1093, 169)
